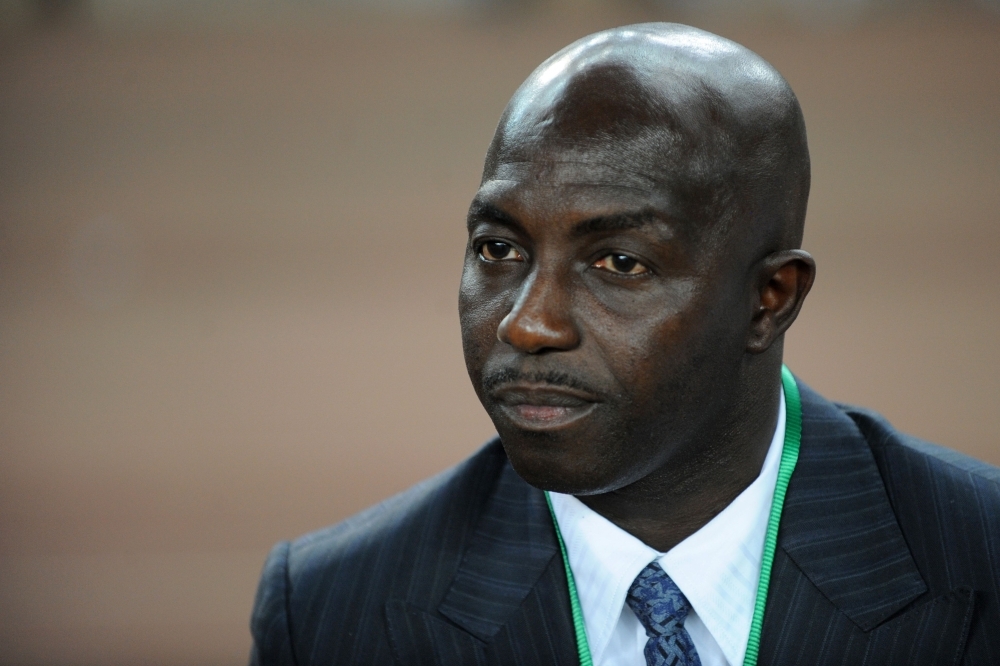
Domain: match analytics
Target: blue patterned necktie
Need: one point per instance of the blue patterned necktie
(661, 607)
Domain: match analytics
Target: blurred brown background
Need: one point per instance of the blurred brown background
(230, 241)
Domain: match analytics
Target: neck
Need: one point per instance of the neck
(695, 484)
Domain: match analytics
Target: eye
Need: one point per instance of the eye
(620, 263)
(499, 251)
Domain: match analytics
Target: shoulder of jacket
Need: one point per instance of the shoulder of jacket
(884, 439)
(399, 522)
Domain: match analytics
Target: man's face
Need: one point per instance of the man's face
(600, 323)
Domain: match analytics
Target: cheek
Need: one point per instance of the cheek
(645, 335)
(481, 308)
(681, 367)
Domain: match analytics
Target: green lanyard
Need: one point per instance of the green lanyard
(789, 456)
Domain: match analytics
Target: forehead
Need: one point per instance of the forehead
(560, 180)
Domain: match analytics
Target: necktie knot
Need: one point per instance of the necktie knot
(662, 608)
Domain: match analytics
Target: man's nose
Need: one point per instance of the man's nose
(541, 319)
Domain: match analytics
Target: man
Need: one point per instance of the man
(631, 269)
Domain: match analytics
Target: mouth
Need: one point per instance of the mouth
(541, 407)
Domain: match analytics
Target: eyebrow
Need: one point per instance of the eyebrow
(618, 222)
(625, 221)
(480, 210)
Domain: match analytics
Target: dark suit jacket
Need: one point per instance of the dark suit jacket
(888, 553)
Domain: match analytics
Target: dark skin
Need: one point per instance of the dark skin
(632, 267)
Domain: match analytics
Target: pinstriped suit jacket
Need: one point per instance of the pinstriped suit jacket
(888, 553)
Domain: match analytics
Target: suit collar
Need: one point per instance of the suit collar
(837, 524)
(508, 552)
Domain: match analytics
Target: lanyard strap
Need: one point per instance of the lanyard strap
(789, 456)
(582, 646)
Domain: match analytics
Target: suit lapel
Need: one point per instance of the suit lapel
(509, 551)
(508, 602)
(843, 573)
(838, 525)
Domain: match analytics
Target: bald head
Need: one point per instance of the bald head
(702, 118)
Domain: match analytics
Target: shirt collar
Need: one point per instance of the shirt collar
(717, 568)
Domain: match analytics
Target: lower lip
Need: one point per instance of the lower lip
(545, 417)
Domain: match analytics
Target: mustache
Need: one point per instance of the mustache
(552, 378)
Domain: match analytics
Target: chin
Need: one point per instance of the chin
(548, 463)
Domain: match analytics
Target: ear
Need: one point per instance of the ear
(783, 280)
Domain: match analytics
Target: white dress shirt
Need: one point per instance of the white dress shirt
(717, 568)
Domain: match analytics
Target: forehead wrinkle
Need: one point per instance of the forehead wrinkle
(594, 168)
(659, 155)
(501, 187)
(648, 166)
